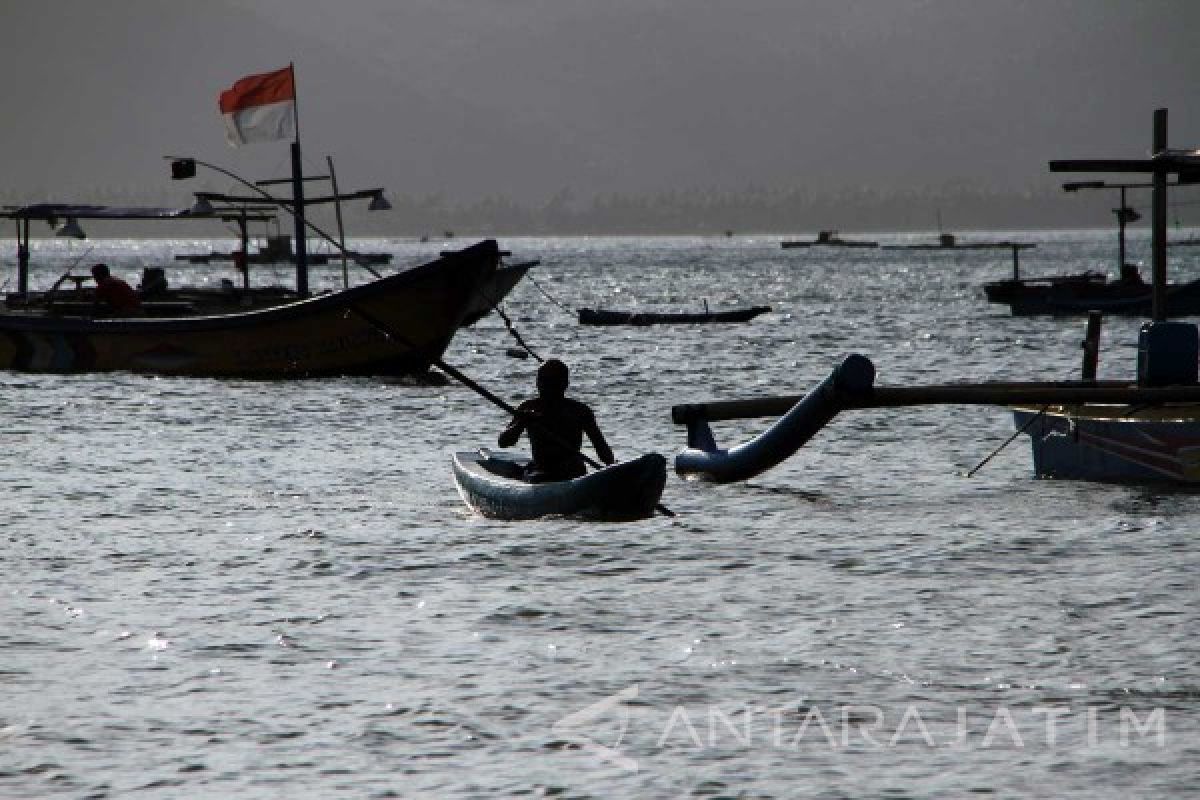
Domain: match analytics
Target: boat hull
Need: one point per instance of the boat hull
(421, 308)
(490, 485)
(1071, 295)
(1115, 444)
(791, 245)
(590, 316)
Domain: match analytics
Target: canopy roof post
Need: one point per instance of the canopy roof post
(23, 256)
(1158, 234)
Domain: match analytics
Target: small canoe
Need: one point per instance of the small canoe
(491, 484)
(592, 316)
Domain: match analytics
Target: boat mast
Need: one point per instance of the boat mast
(1122, 218)
(298, 200)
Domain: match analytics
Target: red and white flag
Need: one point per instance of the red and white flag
(260, 108)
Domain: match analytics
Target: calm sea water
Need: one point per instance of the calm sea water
(248, 589)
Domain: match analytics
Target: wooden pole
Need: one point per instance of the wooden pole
(244, 236)
(1091, 345)
(301, 248)
(23, 256)
(337, 210)
(979, 394)
(1121, 212)
(1159, 222)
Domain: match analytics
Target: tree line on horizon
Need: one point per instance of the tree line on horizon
(692, 212)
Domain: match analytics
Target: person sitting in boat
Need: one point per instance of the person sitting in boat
(555, 424)
(114, 297)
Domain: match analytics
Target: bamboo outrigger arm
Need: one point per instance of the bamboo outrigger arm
(851, 386)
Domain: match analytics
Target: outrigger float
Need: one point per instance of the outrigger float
(1147, 431)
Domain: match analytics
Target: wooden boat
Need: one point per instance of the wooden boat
(590, 316)
(1075, 295)
(948, 241)
(1079, 293)
(492, 485)
(316, 336)
(828, 238)
(1114, 443)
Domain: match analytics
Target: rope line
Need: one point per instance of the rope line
(512, 330)
(547, 295)
(1009, 440)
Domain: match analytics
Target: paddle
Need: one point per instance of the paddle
(482, 391)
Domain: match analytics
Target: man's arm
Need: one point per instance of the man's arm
(598, 442)
(509, 436)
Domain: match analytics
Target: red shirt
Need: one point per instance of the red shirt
(118, 295)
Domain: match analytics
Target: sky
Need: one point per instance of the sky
(527, 99)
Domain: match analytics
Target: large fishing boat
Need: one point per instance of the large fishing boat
(391, 325)
(288, 337)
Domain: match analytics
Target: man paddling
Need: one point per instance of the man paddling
(555, 424)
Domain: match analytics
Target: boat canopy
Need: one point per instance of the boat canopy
(54, 211)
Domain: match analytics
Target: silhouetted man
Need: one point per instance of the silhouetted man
(555, 425)
(114, 295)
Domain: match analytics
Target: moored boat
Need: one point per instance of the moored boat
(321, 335)
(948, 241)
(1076, 294)
(591, 316)
(492, 485)
(827, 238)
(1114, 443)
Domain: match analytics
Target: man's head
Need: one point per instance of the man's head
(552, 379)
(100, 272)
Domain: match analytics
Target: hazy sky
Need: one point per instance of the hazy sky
(527, 97)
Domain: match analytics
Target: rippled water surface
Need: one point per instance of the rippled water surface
(251, 589)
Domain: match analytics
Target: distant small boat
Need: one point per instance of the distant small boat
(828, 238)
(591, 316)
(493, 486)
(948, 241)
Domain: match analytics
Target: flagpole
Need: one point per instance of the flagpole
(295, 102)
(298, 196)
